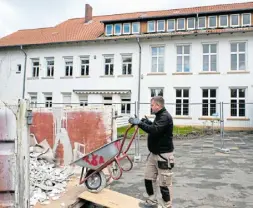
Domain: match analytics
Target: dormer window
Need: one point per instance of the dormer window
(151, 26)
(171, 25)
(117, 29)
(108, 29)
(201, 22)
(212, 21)
(160, 25)
(126, 28)
(223, 21)
(181, 24)
(135, 27)
(234, 20)
(191, 23)
(246, 19)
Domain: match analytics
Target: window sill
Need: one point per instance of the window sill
(182, 73)
(107, 76)
(32, 78)
(86, 76)
(156, 73)
(238, 72)
(47, 78)
(209, 118)
(128, 75)
(209, 72)
(66, 77)
(238, 119)
(182, 117)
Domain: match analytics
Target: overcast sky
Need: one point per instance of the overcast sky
(25, 14)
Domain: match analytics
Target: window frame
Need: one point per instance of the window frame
(220, 21)
(157, 26)
(125, 103)
(48, 104)
(178, 23)
(157, 59)
(209, 98)
(50, 68)
(69, 68)
(127, 64)
(204, 17)
(114, 28)
(242, 18)
(174, 22)
(231, 18)
(111, 63)
(182, 98)
(183, 55)
(209, 57)
(106, 29)
(154, 26)
(238, 102)
(138, 24)
(35, 68)
(124, 28)
(237, 55)
(215, 21)
(86, 65)
(194, 20)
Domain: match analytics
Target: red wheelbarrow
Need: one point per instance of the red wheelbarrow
(107, 156)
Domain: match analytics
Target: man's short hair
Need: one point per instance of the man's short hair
(159, 100)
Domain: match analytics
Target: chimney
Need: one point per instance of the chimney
(88, 13)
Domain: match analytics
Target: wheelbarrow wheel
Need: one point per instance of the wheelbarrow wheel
(96, 182)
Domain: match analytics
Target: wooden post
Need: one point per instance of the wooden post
(23, 157)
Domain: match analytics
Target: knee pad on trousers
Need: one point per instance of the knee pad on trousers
(149, 187)
(165, 193)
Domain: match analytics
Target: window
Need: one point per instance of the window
(48, 100)
(191, 23)
(238, 56)
(201, 22)
(83, 100)
(66, 99)
(50, 67)
(246, 19)
(36, 67)
(234, 20)
(209, 57)
(171, 25)
(183, 58)
(160, 25)
(68, 67)
(208, 102)
(182, 102)
(125, 105)
(156, 92)
(158, 59)
(126, 64)
(18, 69)
(117, 29)
(151, 26)
(136, 27)
(109, 65)
(212, 21)
(126, 28)
(238, 107)
(107, 100)
(33, 100)
(181, 24)
(109, 29)
(223, 21)
(85, 66)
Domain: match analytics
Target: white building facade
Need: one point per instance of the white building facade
(194, 72)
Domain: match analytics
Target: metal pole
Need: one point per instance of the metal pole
(24, 75)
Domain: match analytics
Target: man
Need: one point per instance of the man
(160, 144)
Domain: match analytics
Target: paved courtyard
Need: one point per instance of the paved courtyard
(203, 177)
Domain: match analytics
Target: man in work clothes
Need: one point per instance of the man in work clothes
(160, 144)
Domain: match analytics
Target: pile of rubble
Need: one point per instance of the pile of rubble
(46, 180)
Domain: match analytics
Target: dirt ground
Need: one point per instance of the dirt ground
(203, 177)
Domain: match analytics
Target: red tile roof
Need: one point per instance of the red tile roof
(74, 30)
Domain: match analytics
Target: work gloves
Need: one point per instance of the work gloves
(134, 121)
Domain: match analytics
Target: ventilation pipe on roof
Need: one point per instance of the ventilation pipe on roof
(88, 13)
(24, 75)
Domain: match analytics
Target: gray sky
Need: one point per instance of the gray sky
(26, 14)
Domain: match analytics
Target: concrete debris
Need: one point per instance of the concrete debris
(47, 181)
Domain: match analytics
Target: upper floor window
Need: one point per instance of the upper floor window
(191, 23)
(234, 20)
(126, 28)
(126, 64)
(85, 66)
(151, 26)
(117, 29)
(35, 67)
(109, 29)
(160, 25)
(238, 102)
(50, 67)
(68, 67)
(171, 25)
(201, 22)
(183, 58)
(158, 59)
(212, 21)
(238, 56)
(109, 65)
(223, 21)
(246, 19)
(181, 24)
(135, 27)
(209, 57)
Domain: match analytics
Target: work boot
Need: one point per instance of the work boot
(151, 200)
(165, 204)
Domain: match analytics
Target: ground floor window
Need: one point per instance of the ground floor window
(237, 103)
(182, 102)
(208, 102)
(125, 105)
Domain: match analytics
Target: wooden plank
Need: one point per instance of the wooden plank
(111, 199)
